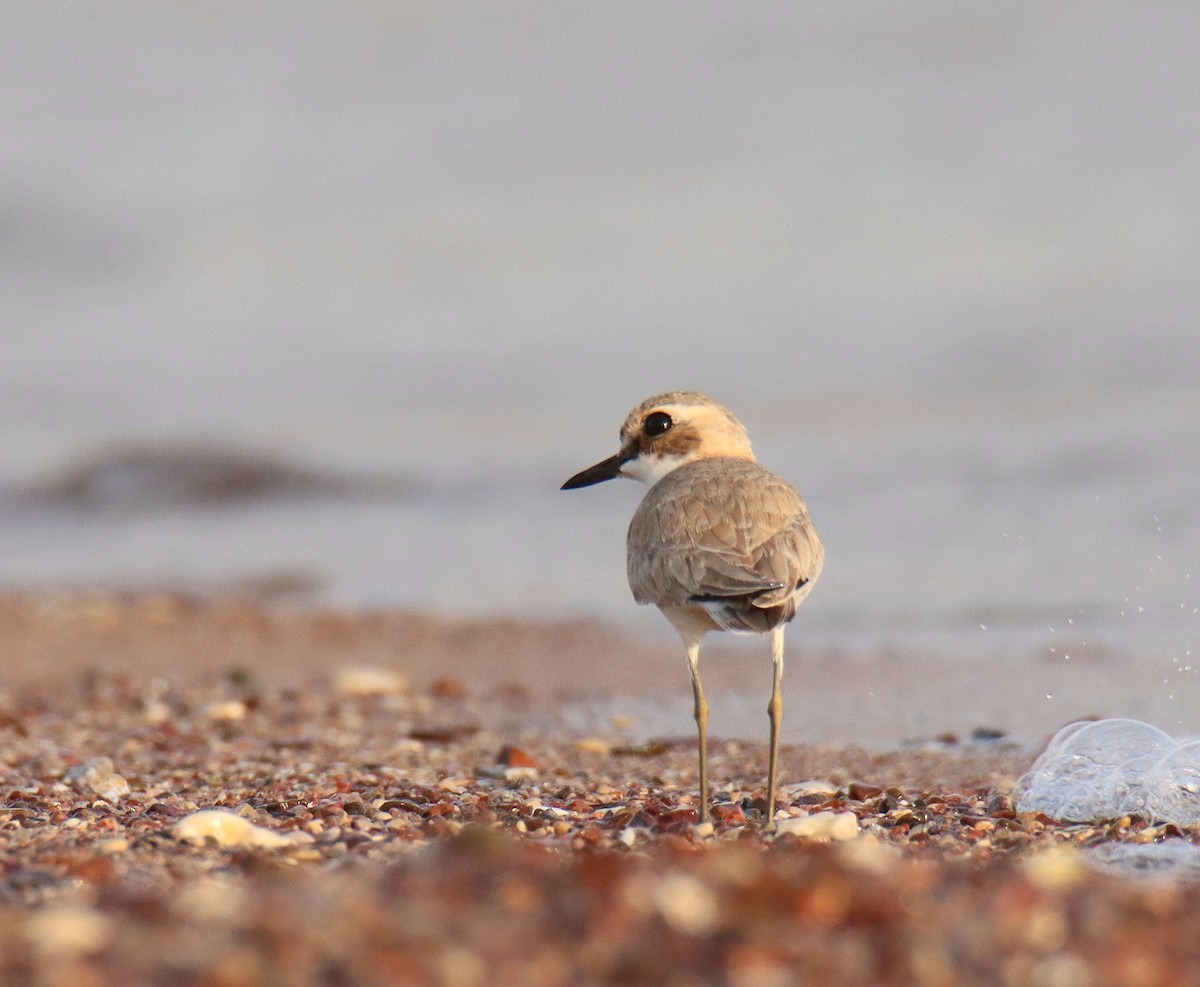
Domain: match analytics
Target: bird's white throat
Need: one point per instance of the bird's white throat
(650, 469)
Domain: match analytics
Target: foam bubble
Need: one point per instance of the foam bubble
(1104, 769)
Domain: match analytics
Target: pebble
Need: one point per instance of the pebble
(593, 745)
(821, 826)
(817, 786)
(230, 709)
(1054, 869)
(228, 829)
(68, 931)
(211, 899)
(870, 855)
(516, 757)
(98, 777)
(686, 904)
(156, 712)
(367, 680)
(458, 967)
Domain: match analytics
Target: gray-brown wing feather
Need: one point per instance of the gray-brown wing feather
(726, 533)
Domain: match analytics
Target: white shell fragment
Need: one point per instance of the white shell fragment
(687, 904)
(228, 829)
(229, 709)
(68, 931)
(823, 826)
(815, 786)
(98, 777)
(369, 680)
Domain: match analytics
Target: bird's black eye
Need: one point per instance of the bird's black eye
(657, 423)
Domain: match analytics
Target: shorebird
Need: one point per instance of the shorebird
(717, 543)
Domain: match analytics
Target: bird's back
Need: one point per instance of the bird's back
(726, 535)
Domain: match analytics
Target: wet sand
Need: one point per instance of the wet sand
(414, 820)
(581, 675)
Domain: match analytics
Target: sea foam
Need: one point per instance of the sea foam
(1105, 769)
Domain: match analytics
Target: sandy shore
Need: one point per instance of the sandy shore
(413, 820)
(584, 675)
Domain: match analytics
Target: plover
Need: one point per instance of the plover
(717, 543)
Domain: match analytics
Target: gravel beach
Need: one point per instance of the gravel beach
(380, 818)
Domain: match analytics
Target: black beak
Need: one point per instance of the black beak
(604, 470)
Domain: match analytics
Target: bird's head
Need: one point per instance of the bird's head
(668, 431)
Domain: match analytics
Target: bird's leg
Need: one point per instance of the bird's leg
(701, 714)
(775, 712)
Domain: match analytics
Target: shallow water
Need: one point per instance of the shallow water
(942, 268)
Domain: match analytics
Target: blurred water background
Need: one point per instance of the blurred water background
(327, 300)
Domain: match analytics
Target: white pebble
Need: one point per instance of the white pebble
(1055, 868)
(822, 826)
(369, 680)
(156, 712)
(686, 904)
(230, 709)
(98, 777)
(68, 930)
(211, 900)
(517, 772)
(229, 829)
(816, 786)
(870, 855)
